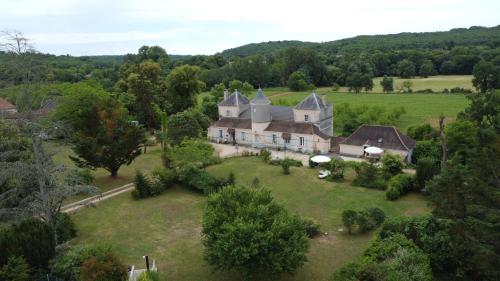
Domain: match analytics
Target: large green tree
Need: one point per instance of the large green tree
(486, 76)
(466, 192)
(183, 83)
(144, 84)
(102, 134)
(186, 124)
(245, 230)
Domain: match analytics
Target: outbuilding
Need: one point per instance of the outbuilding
(388, 138)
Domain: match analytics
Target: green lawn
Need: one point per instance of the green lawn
(167, 228)
(145, 162)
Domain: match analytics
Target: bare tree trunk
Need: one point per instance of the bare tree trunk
(444, 148)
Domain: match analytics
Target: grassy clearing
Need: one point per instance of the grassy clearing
(144, 162)
(167, 228)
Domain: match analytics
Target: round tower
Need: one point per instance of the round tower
(261, 108)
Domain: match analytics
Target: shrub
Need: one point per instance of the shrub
(427, 168)
(312, 227)
(364, 222)
(65, 227)
(149, 276)
(286, 167)
(32, 239)
(231, 179)
(143, 186)
(368, 175)
(69, 265)
(199, 180)
(293, 162)
(391, 165)
(255, 183)
(106, 267)
(377, 215)
(265, 154)
(194, 152)
(164, 178)
(426, 149)
(349, 219)
(336, 167)
(382, 249)
(16, 269)
(400, 185)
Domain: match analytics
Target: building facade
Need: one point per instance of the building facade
(306, 128)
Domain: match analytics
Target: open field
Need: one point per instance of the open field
(167, 228)
(146, 162)
(419, 108)
(436, 83)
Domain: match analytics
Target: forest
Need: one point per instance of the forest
(348, 62)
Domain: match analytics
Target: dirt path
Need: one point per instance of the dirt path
(75, 206)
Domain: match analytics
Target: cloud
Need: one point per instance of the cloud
(193, 26)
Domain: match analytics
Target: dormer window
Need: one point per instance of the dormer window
(306, 117)
(228, 113)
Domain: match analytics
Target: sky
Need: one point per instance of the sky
(103, 27)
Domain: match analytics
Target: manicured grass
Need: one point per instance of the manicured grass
(103, 180)
(167, 228)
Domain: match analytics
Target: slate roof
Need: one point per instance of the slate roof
(5, 105)
(238, 123)
(386, 137)
(311, 102)
(260, 98)
(235, 99)
(295, 128)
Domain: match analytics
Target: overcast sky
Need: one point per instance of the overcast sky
(100, 27)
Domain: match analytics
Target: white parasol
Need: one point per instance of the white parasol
(321, 159)
(374, 150)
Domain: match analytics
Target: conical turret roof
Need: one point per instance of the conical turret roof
(311, 102)
(260, 98)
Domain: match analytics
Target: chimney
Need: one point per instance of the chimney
(226, 93)
(323, 99)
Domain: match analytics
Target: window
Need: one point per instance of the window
(243, 136)
(221, 133)
(306, 117)
(228, 113)
(287, 141)
(301, 141)
(274, 138)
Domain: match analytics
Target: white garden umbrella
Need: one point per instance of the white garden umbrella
(321, 159)
(374, 150)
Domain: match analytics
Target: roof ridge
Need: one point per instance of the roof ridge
(399, 137)
(362, 125)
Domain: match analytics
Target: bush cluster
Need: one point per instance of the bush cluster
(289, 161)
(400, 185)
(366, 219)
(89, 262)
(31, 239)
(161, 180)
(391, 165)
(265, 154)
(312, 227)
(393, 258)
(201, 180)
(65, 228)
(369, 175)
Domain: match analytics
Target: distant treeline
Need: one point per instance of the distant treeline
(348, 62)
